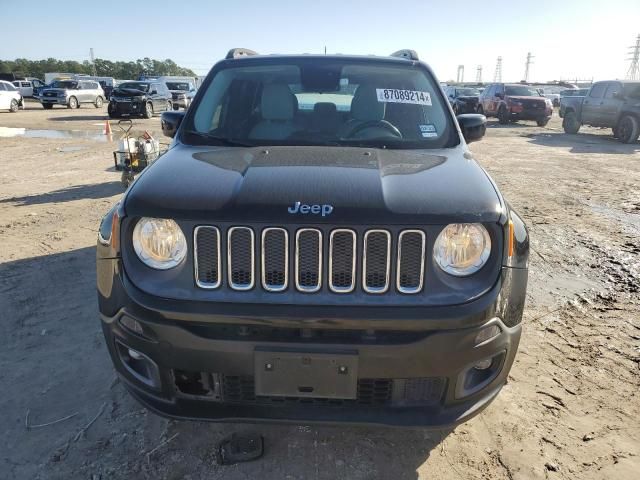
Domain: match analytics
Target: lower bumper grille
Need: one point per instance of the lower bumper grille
(372, 392)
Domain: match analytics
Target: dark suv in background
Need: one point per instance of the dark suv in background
(513, 102)
(463, 99)
(139, 98)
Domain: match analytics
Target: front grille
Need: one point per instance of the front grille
(207, 257)
(275, 259)
(366, 261)
(411, 246)
(376, 261)
(371, 391)
(241, 258)
(342, 260)
(308, 260)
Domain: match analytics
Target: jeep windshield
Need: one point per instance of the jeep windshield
(320, 101)
(143, 87)
(64, 84)
(521, 91)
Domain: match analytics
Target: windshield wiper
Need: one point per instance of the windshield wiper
(230, 142)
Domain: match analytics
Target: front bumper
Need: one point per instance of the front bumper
(530, 113)
(181, 102)
(126, 108)
(54, 100)
(413, 370)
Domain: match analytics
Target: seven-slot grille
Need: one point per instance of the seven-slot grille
(368, 258)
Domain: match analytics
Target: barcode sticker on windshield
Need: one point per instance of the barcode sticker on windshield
(393, 95)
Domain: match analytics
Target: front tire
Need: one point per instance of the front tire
(628, 129)
(542, 122)
(148, 110)
(503, 116)
(570, 123)
(169, 106)
(13, 106)
(72, 103)
(98, 103)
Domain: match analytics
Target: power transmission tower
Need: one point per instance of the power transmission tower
(479, 74)
(497, 76)
(93, 62)
(460, 76)
(527, 66)
(634, 69)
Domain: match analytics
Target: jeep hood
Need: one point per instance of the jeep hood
(363, 185)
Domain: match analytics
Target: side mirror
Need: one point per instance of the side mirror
(499, 95)
(170, 122)
(154, 92)
(618, 95)
(473, 126)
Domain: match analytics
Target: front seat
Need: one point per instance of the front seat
(277, 108)
(365, 107)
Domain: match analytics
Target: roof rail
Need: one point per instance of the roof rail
(406, 53)
(239, 53)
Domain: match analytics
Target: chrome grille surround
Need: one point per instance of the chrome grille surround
(402, 277)
(373, 261)
(308, 288)
(239, 285)
(369, 278)
(197, 252)
(265, 260)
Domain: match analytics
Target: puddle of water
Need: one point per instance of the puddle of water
(8, 132)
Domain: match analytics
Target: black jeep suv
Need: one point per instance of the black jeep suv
(318, 244)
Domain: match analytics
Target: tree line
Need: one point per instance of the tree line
(103, 68)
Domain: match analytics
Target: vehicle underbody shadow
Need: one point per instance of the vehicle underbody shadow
(80, 118)
(76, 192)
(584, 142)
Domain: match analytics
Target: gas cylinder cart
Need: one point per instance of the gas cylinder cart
(134, 154)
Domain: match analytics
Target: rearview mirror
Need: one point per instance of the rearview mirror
(170, 122)
(473, 126)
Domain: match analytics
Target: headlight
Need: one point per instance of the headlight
(159, 243)
(462, 248)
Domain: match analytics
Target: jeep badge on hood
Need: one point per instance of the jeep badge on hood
(315, 209)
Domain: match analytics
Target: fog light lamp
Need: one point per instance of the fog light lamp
(483, 364)
(135, 354)
(487, 334)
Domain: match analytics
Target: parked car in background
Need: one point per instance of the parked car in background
(463, 99)
(72, 94)
(554, 97)
(513, 102)
(611, 104)
(570, 93)
(10, 97)
(182, 93)
(28, 87)
(139, 98)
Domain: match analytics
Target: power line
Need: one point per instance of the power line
(497, 76)
(527, 66)
(634, 68)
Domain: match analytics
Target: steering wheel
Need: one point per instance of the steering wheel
(374, 124)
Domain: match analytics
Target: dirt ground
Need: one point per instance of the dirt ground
(571, 408)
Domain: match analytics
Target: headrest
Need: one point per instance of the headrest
(278, 103)
(365, 105)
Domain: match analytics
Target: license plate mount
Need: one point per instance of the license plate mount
(306, 374)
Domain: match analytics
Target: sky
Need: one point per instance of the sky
(568, 38)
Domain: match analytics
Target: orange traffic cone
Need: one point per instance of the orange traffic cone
(107, 128)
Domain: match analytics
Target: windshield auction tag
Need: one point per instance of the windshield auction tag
(393, 95)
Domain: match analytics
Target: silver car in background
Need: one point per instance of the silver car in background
(72, 93)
